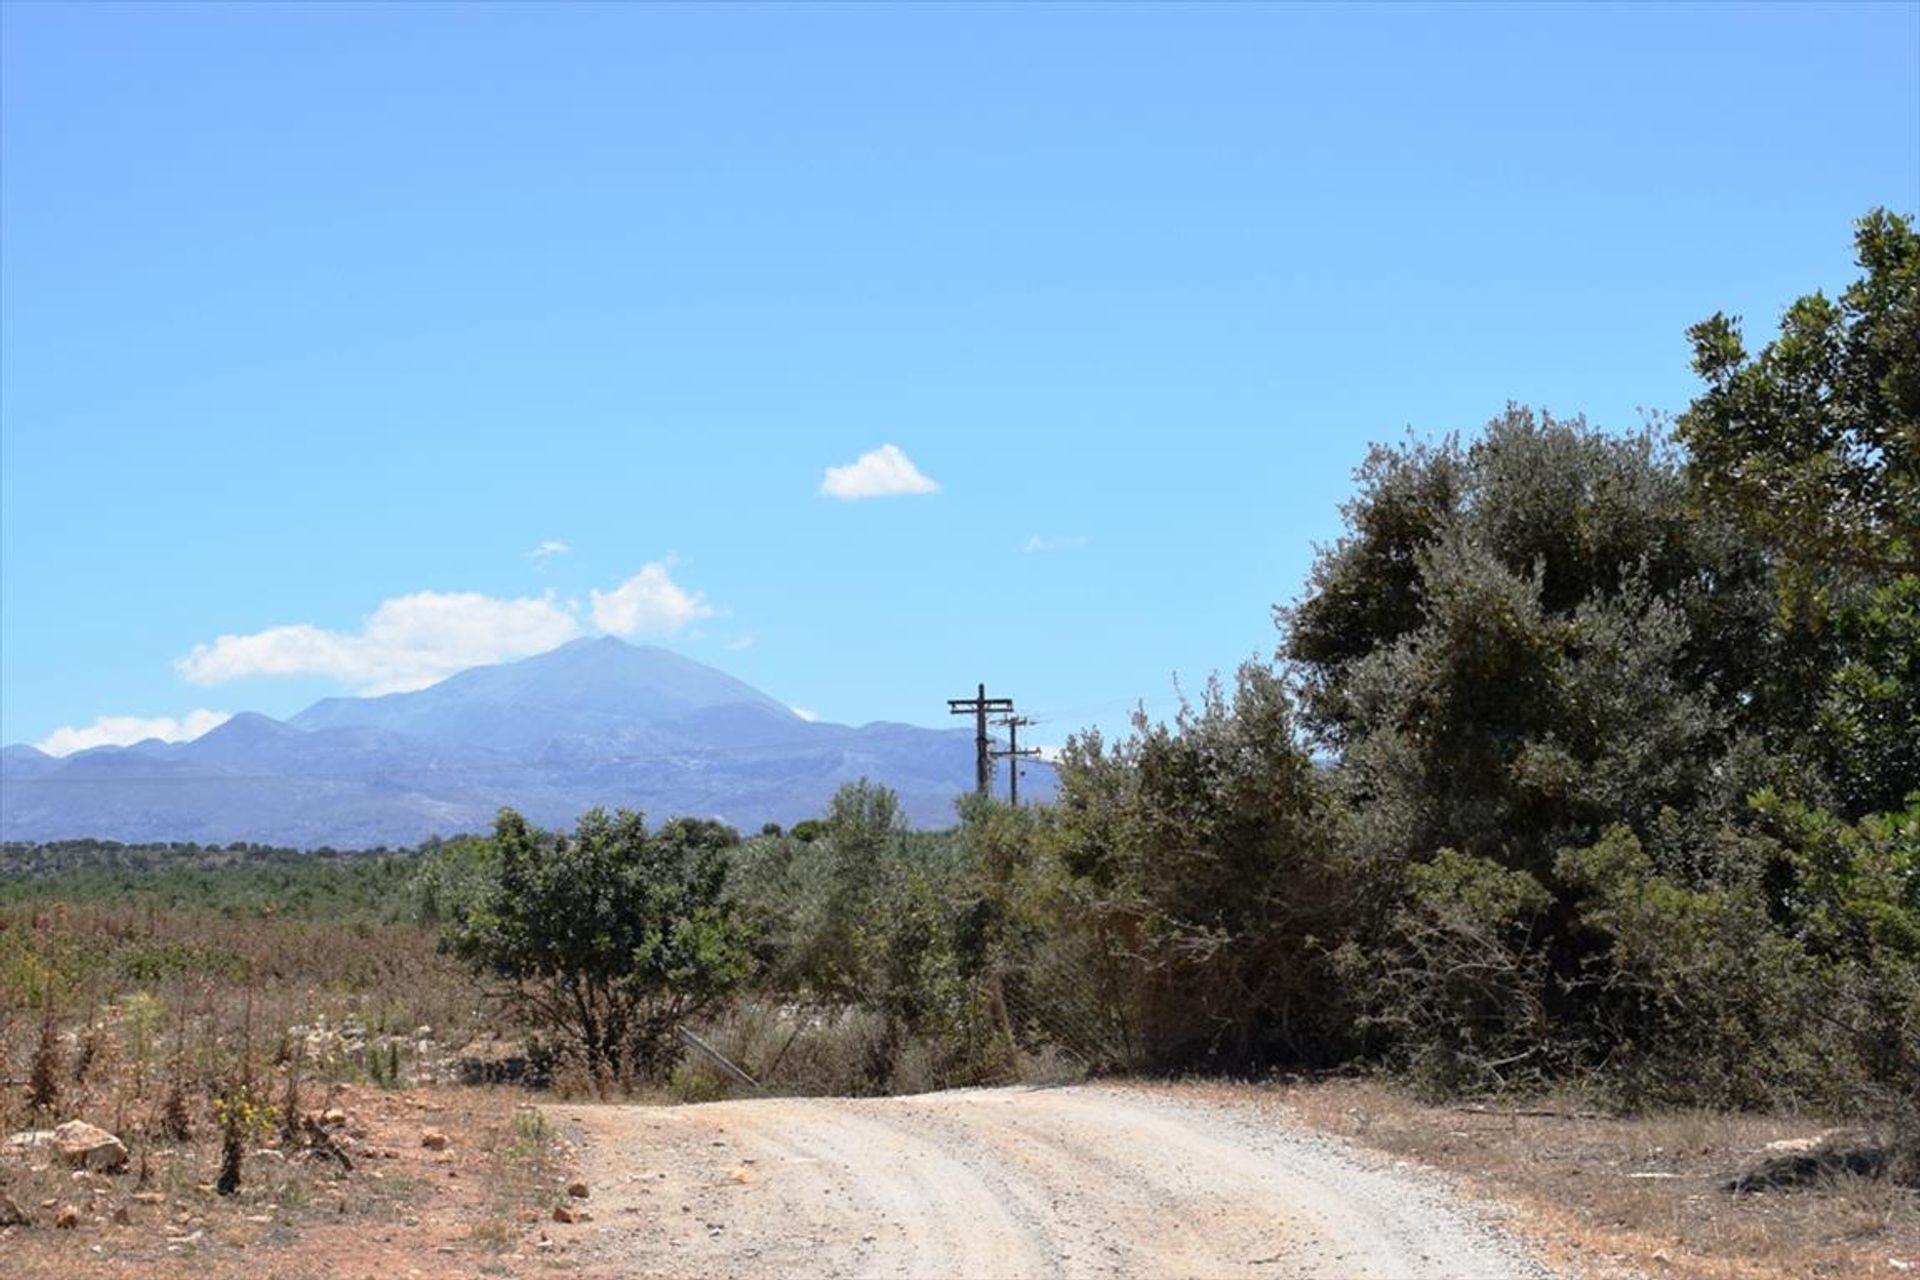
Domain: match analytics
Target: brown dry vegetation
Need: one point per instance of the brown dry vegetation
(127, 1008)
(157, 1024)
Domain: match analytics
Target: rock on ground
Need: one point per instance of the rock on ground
(85, 1146)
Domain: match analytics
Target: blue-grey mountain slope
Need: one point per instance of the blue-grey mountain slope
(595, 722)
(597, 689)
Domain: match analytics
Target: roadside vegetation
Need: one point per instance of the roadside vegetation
(1587, 764)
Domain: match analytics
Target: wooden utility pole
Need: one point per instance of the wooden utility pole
(979, 707)
(1013, 755)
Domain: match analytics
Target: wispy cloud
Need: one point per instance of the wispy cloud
(546, 551)
(738, 643)
(650, 601)
(409, 642)
(882, 473)
(1039, 543)
(123, 731)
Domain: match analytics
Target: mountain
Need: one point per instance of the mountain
(23, 761)
(595, 689)
(594, 722)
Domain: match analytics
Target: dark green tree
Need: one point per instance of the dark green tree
(609, 937)
(1564, 644)
(1812, 447)
(1815, 442)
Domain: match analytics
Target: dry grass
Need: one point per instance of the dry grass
(139, 1019)
(125, 1008)
(1619, 1197)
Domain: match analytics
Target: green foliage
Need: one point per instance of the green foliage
(147, 963)
(1698, 998)
(1556, 665)
(1815, 442)
(817, 902)
(1537, 643)
(236, 883)
(1460, 986)
(1850, 895)
(1813, 448)
(451, 883)
(856, 911)
(1209, 857)
(609, 937)
(1866, 730)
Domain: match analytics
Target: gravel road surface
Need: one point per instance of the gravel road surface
(1093, 1181)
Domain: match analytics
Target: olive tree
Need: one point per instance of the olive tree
(609, 937)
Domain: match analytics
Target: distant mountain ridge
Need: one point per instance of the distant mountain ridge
(586, 688)
(594, 722)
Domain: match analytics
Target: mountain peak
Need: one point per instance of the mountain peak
(594, 687)
(248, 722)
(586, 643)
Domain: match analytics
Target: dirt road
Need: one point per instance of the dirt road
(1092, 1181)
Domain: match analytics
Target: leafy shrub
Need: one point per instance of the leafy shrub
(1461, 986)
(1210, 857)
(608, 938)
(1699, 997)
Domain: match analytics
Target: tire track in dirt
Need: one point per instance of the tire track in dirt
(1087, 1181)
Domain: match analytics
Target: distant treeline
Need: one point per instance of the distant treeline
(28, 859)
(233, 880)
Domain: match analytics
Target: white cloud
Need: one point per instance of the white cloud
(122, 731)
(738, 643)
(1049, 754)
(409, 642)
(804, 714)
(547, 550)
(1038, 543)
(883, 472)
(649, 601)
(412, 641)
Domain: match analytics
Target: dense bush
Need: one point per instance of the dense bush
(1208, 852)
(609, 938)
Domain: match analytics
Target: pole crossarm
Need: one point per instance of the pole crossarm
(1013, 754)
(980, 706)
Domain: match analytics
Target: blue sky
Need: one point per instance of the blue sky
(315, 323)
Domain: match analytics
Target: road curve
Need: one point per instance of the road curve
(1087, 1181)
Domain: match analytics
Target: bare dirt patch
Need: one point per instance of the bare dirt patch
(1070, 1182)
(1607, 1197)
(477, 1204)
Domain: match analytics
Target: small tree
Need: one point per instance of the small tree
(607, 938)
